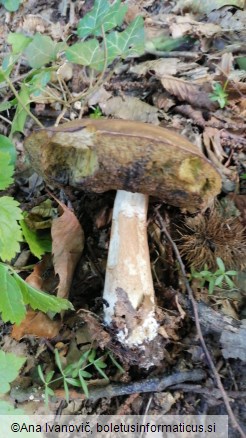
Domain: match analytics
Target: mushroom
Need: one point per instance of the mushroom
(138, 160)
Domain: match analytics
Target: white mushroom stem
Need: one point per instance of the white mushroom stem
(128, 290)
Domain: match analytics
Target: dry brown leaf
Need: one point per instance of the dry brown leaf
(211, 139)
(67, 246)
(36, 324)
(160, 66)
(188, 92)
(130, 108)
(186, 25)
(99, 96)
(240, 203)
(39, 278)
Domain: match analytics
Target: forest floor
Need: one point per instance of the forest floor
(190, 78)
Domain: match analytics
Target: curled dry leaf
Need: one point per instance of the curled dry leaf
(160, 66)
(188, 92)
(36, 324)
(130, 108)
(67, 246)
(212, 143)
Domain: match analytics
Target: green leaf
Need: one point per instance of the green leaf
(39, 242)
(103, 14)
(130, 42)
(211, 286)
(7, 146)
(10, 365)
(41, 374)
(21, 114)
(12, 306)
(38, 82)
(229, 281)
(101, 371)
(73, 382)
(66, 390)
(6, 105)
(241, 62)
(92, 356)
(219, 280)
(8, 409)
(16, 293)
(83, 53)
(10, 232)
(49, 391)
(19, 41)
(100, 364)
(11, 5)
(232, 273)
(7, 66)
(41, 300)
(58, 360)
(220, 264)
(49, 376)
(85, 374)
(6, 176)
(40, 51)
(116, 363)
(84, 385)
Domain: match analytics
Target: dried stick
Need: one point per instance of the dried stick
(232, 417)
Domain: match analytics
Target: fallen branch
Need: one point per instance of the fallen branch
(232, 417)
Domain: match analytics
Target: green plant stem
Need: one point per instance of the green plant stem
(11, 86)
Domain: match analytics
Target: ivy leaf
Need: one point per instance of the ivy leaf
(19, 41)
(130, 42)
(7, 66)
(40, 51)
(6, 175)
(5, 105)
(11, 5)
(103, 14)
(12, 306)
(10, 365)
(84, 53)
(10, 232)
(38, 82)
(7, 146)
(39, 242)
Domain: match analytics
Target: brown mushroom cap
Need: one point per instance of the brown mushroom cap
(101, 155)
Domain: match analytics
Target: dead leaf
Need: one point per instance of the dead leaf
(233, 343)
(98, 97)
(205, 6)
(36, 324)
(67, 246)
(214, 150)
(130, 108)
(240, 203)
(186, 25)
(160, 66)
(188, 92)
(42, 276)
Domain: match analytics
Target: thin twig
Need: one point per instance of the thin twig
(25, 108)
(232, 417)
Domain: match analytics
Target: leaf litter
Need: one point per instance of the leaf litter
(211, 51)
